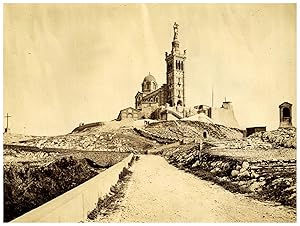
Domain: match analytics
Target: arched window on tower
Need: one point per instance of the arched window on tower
(181, 65)
(154, 86)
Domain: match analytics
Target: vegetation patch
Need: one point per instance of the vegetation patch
(111, 202)
(27, 187)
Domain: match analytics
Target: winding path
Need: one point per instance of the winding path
(159, 192)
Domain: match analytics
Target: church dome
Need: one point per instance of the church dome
(149, 84)
(149, 78)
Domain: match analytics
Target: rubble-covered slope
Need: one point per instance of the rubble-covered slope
(119, 140)
(192, 129)
(267, 179)
(282, 137)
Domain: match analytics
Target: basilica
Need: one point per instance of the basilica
(168, 101)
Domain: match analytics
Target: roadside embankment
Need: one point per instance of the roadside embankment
(75, 205)
(273, 179)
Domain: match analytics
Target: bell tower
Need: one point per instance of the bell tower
(175, 62)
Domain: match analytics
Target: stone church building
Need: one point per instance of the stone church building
(168, 101)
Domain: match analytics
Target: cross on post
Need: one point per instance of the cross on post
(7, 116)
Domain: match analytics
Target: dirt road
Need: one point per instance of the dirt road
(158, 192)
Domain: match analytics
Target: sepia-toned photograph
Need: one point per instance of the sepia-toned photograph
(149, 113)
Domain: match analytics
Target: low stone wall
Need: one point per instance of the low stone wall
(75, 205)
(268, 179)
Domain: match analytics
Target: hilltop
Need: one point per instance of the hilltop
(138, 136)
(97, 146)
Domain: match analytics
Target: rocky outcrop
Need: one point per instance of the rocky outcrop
(282, 137)
(267, 179)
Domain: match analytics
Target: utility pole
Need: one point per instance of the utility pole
(7, 116)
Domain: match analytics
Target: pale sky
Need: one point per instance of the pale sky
(66, 64)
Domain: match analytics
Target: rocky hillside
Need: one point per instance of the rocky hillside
(120, 140)
(268, 179)
(13, 138)
(128, 138)
(135, 137)
(181, 130)
(282, 137)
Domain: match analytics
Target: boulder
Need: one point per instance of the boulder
(254, 175)
(241, 183)
(245, 165)
(242, 170)
(222, 179)
(256, 186)
(217, 169)
(294, 195)
(234, 173)
(197, 163)
(244, 174)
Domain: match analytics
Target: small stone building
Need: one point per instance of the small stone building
(128, 113)
(251, 130)
(285, 115)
